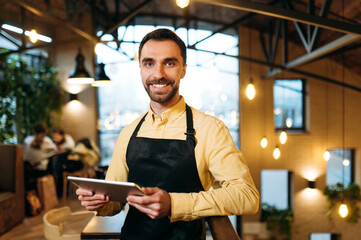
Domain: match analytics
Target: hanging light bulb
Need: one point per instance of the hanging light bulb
(283, 137)
(182, 3)
(264, 142)
(343, 210)
(346, 162)
(327, 155)
(276, 153)
(33, 36)
(250, 90)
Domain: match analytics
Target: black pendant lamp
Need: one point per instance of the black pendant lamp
(101, 78)
(80, 75)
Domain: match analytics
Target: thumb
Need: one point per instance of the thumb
(150, 190)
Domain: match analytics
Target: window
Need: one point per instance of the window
(340, 167)
(324, 236)
(276, 188)
(289, 104)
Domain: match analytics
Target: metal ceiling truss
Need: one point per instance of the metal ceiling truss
(278, 12)
(308, 37)
(300, 72)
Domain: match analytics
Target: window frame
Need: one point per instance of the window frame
(289, 187)
(304, 107)
(352, 165)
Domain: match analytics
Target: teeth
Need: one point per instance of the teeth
(159, 85)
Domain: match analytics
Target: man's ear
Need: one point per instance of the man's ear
(184, 71)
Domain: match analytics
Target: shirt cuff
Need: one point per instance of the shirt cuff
(181, 207)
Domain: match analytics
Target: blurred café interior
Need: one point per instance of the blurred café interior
(283, 75)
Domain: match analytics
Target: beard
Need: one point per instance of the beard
(161, 97)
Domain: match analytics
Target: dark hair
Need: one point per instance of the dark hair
(40, 130)
(164, 34)
(59, 131)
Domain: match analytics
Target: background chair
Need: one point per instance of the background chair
(12, 196)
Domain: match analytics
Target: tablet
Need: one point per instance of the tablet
(117, 191)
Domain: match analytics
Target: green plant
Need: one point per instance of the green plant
(27, 95)
(337, 194)
(279, 221)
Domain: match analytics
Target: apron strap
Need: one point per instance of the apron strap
(138, 126)
(190, 130)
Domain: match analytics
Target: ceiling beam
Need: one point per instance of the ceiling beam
(264, 9)
(129, 16)
(326, 49)
(303, 73)
(44, 14)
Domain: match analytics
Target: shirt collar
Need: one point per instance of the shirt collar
(170, 114)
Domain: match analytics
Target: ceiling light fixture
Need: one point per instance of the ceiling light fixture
(264, 142)
(101, 78)
(182, 3)
(283, 137)
(276, 153)
(80, 75)
(250, 90)
(33, 35)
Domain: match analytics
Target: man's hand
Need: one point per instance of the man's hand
(91, 201)
(156, 204)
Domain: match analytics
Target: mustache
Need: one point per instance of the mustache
(160, 81)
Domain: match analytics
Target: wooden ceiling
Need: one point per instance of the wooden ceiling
(341, 18)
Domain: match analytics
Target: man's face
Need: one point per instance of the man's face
(161, 68)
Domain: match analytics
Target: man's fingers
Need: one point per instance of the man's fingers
(149, 211)
(93, 197)
(150, 190)
(83, 192)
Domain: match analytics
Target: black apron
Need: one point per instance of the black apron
(170, 165)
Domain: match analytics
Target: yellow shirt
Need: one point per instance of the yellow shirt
(216, 158)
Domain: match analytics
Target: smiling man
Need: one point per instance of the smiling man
(175, 153)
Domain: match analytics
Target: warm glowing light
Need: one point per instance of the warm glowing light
(283, 137)
(276, 153)
(250, 91)
(102, 83)
(277, 111)
(327, 155)
(264, 142)
(289, 122)
(346, 162)
(182, 3)
(97, 48)
(33, 36)
(343, 210)
(80, 80)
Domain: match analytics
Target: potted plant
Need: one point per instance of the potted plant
(278, 221)
(28, 94)
(338, 194)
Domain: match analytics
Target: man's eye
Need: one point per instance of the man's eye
(169, 64)
(148, 64)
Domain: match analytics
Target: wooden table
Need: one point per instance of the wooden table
(103, 227)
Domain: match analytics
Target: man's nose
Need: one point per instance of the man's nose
(159, 71)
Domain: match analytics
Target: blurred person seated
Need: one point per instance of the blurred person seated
(84, 154)
(87, 152)
(64, 142)
(38, 148)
